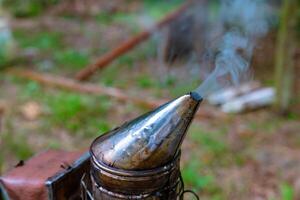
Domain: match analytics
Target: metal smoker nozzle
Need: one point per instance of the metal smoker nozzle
(150, 140)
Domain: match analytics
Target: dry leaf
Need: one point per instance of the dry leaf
(31, 110)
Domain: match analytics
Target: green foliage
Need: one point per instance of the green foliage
(183, 87)
(286, 191)
(64, 106)
(293, 116)
(209, 141)
(108, 75)
(157, 9)
(146, 50)
(79, 113)
(31, 88)
(71, 59)
(169, 81)
(268, 126)
(123, 18)
(27, 8)
(119, 18)
(18, 145)
(145, 81)
(40, 40)
(103, 126)
(7, 45)
(191, 174)
(125, 60)
(50, 43)
(104, 18)
(53, 144)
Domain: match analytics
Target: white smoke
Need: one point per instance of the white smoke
(243, 21)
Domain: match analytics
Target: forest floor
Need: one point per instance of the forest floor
(254, 155)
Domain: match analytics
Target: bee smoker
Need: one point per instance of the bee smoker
(141, 159)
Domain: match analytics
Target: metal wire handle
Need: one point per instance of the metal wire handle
(86, 194)
(181, 196)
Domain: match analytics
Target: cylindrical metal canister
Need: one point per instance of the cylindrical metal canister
(109, 183)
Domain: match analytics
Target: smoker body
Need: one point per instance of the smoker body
(141, 159)
(163, 183)
(150, 140)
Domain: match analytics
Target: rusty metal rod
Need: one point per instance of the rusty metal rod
(128, 44)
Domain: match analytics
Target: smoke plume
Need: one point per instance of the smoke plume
(243, 22)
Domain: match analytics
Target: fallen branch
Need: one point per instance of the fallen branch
(128, 45)
(70, 84)
(73, 85)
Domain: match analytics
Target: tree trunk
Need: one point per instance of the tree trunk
(285, 62)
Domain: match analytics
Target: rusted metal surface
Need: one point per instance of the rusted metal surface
(150, 140)
(51, 174)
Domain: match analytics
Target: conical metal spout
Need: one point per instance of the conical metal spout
(150, 140)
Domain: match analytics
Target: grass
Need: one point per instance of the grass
(125, 61)
(41, 40)
(64, 107)
(23, 8)
(157, 9)
(30, 89)
(183, 87)
(107, 18)
(286, 192)
(203, 183)
(120, 18)
(211, 142)
(265, 126)
(56, 57)
(107, 76)
(79, 114)
(71, 59)
(54, 144)
(145, 81)
(16, 143)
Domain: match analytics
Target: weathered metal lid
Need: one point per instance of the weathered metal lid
(150, 140)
